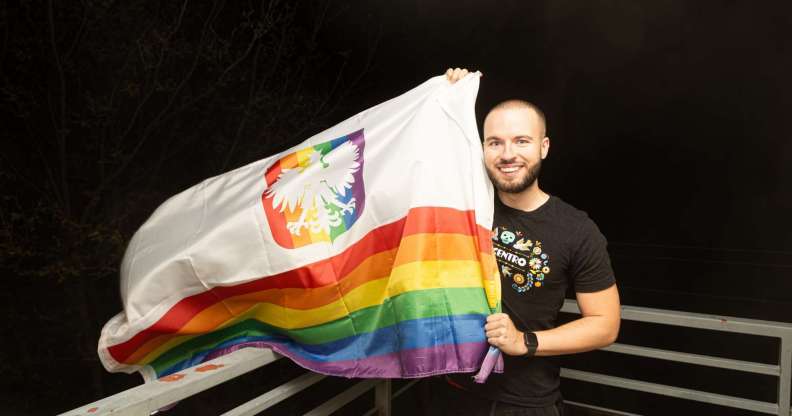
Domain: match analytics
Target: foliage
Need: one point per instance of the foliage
(110, 107)
(115, 105)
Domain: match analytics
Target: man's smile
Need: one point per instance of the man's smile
(509, 169)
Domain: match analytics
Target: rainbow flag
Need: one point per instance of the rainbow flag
(364, 251)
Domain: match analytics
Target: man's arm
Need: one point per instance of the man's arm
(598, 327)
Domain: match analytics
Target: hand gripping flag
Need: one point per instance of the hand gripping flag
(364, 251)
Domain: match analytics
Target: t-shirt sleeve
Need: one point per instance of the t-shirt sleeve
(590, 269)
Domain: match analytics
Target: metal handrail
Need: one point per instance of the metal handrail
(149, 398)
(146, 399)
(783, 371)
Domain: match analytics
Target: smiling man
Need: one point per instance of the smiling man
(543, 246)
(515, 149)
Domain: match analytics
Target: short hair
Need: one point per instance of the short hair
(515, 103)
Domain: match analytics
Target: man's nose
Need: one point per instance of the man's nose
(508, 152)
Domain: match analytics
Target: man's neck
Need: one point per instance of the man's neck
(527, 200)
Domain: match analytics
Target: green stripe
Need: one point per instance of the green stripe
(404, 307)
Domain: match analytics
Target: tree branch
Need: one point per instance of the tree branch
(60, 124)
(80, 31)
(154, 81)
(245, 112)
(151, 126)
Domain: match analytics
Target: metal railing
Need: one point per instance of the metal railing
(148, 398)
(783, 371)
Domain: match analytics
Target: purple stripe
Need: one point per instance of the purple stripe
(491, 361)
(421, 362)
(358, 189)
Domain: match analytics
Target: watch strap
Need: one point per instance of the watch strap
(531, 343)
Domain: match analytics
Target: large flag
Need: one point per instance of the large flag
(364, 251)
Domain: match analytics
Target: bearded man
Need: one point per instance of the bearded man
(543, 246)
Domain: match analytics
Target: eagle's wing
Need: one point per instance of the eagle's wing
(295, 186)
(342, 164)
(309, 186)
(287, 190)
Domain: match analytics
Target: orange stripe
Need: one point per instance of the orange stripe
(321, 273)
(289, 161)
(416, 247)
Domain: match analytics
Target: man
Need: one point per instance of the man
(543, 245)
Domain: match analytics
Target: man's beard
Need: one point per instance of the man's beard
(516, 187)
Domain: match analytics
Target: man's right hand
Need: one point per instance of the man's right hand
(454, 75)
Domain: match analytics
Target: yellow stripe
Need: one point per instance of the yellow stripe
(492, 281)
(304, 156)
(405, 278)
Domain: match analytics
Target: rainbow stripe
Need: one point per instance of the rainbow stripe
(407, 300)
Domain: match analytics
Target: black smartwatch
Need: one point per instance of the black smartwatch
(531, 343)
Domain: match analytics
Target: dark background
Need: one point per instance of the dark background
(669, 125)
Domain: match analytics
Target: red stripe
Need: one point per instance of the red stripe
(272, 173)
(276, 219)
(320, 273)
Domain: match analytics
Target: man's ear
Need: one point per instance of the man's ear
(545, 148)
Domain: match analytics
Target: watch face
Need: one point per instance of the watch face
(530, 343)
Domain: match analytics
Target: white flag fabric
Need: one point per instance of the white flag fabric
(364, 251)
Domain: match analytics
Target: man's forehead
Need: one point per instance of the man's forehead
(514, 118)
(517, 111)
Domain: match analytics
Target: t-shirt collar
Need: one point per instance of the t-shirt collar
(499, 205)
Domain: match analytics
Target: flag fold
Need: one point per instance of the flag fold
(364, 251)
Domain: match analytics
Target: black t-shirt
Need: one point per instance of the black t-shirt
(540, 255)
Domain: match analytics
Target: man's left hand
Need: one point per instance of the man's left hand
(502, 333)
(454, 75)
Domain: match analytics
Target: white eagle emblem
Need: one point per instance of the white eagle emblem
(318, 189)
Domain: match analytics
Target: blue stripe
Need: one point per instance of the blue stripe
(406, 335)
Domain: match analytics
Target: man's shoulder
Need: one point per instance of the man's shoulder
(565, 209)
(577, 221)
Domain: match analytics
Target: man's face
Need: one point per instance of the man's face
(514, 147)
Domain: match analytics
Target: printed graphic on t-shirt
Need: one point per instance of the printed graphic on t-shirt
(520, 259)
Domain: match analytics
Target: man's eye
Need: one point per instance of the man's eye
(523, 142)
(493, 144)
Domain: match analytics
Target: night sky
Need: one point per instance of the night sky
(669, 124)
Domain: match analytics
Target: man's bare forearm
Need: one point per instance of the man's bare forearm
(584, 334)
(598, 328)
